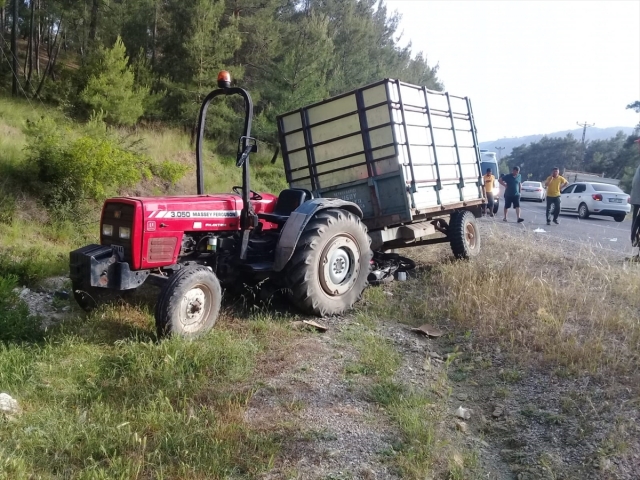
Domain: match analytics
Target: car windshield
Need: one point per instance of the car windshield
(601, 187)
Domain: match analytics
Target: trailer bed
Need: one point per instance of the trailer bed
(402, 152)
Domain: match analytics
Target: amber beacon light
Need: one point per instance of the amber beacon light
(224, 79)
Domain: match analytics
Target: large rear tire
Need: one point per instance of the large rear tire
(189, 303)
(328, 270)
(464, 235)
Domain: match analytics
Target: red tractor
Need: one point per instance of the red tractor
(386, 166)
(193, 245)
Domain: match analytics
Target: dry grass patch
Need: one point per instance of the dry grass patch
(579, 309)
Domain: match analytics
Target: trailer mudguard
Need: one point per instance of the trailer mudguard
(298, 220)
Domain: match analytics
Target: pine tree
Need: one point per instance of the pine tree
(110, 86)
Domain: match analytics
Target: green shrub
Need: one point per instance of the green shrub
(69, 171)
(169, 171)
(16, 324)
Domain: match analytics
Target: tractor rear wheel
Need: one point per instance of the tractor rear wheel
(464, 235)
(328, 270)
(189, 303)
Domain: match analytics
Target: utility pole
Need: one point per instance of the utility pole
(584, 126)
(499, 152)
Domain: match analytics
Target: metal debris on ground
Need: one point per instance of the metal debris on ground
(308, 323)
(428, 330)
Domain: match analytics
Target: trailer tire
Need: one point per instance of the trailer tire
(464, 235)
(330, 265)
(189, 303)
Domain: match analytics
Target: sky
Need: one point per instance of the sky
(531, 67)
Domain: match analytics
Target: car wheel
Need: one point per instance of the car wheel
(583, 211)
(619, 218)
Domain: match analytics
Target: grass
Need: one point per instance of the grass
(102, 399)
(424, 449)
(576, 311)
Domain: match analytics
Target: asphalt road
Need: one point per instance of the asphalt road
(598, 232)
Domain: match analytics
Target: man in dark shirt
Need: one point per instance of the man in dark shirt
(512, 184)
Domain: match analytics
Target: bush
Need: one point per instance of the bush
(16, 324)
(70, 171)
(169, 171)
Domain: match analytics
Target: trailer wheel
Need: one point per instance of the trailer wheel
(328, 270)
(188, 305)
(464, 235)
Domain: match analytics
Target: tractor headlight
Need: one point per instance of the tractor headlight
(107, 230)
(125, 232)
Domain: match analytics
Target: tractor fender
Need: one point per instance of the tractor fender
(298, 220)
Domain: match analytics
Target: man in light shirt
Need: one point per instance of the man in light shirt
(489, 180)
(555, 182)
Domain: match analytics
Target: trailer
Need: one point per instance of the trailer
(406, 155)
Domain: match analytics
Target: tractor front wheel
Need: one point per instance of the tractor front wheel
(328, 270)
(189, 303)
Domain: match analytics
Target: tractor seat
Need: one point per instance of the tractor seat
(287, 202)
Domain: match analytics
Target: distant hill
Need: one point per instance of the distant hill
(593, 133)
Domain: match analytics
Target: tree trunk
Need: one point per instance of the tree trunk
(46, 69)
(14, 49)
(37, 39)
(29, 60)
(93, 25)
(155, 33)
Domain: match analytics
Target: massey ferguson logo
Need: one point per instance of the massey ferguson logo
(194, 214)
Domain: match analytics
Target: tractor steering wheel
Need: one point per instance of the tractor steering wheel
(254, 195)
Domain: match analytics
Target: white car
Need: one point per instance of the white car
(533, 191)
(587, 198)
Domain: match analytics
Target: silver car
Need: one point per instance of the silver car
(588, 198)
(533, 191)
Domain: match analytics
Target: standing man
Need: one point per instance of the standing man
(489, 179)
(512, 183)
(554, 184)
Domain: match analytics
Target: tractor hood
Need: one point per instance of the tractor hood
(205, 211)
